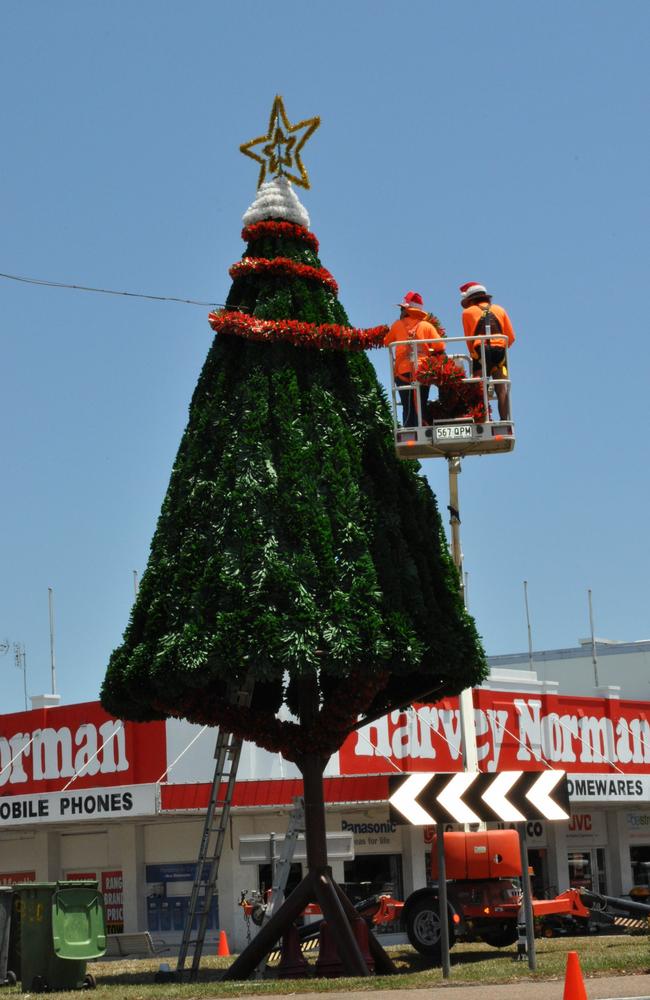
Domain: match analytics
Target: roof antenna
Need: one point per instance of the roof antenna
(530, 635)
(594, 658)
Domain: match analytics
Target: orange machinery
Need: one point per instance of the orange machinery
(484, 897)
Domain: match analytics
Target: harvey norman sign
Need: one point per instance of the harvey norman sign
(78, 746)
(514, 731)
(61, 752)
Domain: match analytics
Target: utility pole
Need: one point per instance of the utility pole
(50, 595)
(594, 658)
(465, 698)
(530, 634)
(20, 659)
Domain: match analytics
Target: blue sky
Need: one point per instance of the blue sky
(504, 142)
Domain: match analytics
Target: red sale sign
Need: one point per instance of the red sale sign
(12, 878)
(113, 891)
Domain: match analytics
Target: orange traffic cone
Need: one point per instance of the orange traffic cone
(574, 986)
(223, 948)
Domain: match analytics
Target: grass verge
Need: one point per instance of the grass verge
(471, 963)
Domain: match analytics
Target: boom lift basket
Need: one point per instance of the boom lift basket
(457, 436)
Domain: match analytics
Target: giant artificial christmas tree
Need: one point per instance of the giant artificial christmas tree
(293, 550)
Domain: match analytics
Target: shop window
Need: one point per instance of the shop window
(266, 877)
(539, 875)
(587, 869)
(372, 875)
(169, 888)
(640, 861)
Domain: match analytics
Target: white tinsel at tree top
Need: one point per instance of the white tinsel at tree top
(276, 199)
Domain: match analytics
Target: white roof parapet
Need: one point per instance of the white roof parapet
(573, 652)
(276, 199)
(601, 642)
(609, 691)
(502, 679)
(45, 700)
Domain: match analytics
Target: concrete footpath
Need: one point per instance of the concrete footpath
(606, 988)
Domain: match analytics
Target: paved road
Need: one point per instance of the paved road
(607, 988)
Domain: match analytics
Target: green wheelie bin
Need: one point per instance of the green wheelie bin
(62, 926)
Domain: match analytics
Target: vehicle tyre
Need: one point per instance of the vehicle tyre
(501, 935)
(423, 927)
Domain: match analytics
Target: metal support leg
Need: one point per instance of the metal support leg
(268, 935)
(383, 961)
(330, 904)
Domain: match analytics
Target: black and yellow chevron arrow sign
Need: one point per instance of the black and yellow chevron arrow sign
(429, 797)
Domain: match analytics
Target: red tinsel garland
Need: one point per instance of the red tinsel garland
(293, 331)
(436, 322)
(456, 398)
(283, 265)
(270, 227)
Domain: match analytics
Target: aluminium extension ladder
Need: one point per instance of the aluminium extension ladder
(282, 867)
(227, 754)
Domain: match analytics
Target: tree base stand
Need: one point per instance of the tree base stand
(319, 887)
(338, 911)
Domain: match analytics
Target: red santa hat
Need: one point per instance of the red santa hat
(471, 290)
(412, 300)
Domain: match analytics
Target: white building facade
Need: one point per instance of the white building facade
(85, 795)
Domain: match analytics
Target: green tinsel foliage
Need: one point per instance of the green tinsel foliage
(279, 297)
(291, 543)
(282, 246)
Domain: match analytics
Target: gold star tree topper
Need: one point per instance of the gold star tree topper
(279, 150)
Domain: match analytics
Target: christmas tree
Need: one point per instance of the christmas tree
(293, 549)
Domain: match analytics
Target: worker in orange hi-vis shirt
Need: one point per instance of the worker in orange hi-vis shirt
(412, 325)
(478, 310)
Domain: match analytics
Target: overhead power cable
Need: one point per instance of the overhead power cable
(109, 291)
